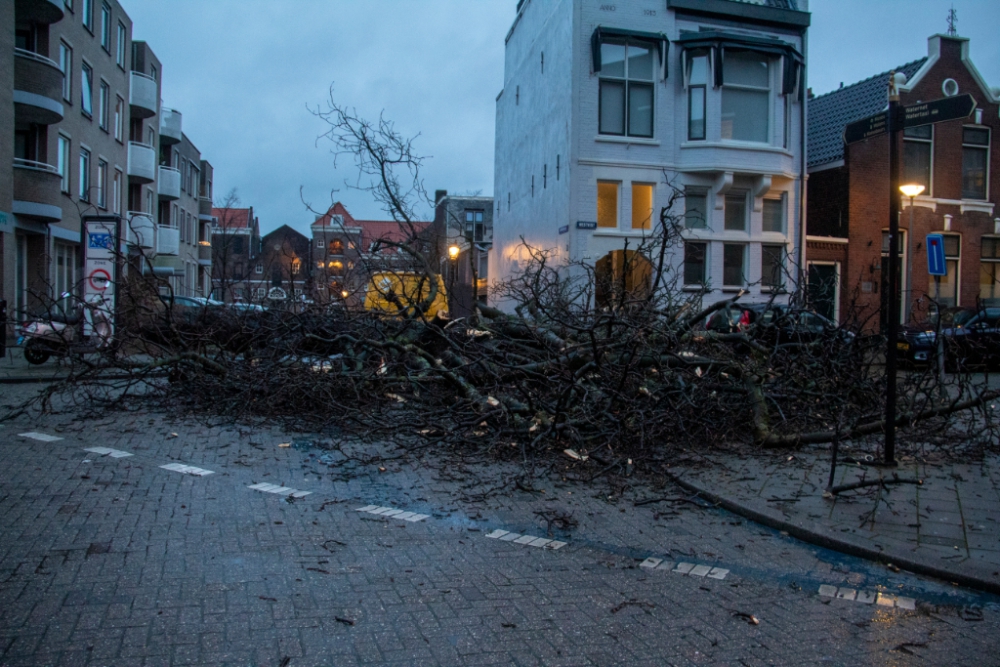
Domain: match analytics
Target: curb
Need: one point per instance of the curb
(840, 544)
(28, 379)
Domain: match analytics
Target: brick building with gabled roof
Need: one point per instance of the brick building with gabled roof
(848, 204)
(235, 247)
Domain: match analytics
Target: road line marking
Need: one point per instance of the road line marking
(717, 573)
(107, 451)
(41, 437)
(497, 533)
(509, 537)
(391, 513)
(651, 563)
(700, 570)
(540, 542)
(524, 539)
(684, 568)
(187, 470)
(868, 597)
(555, 544)
(279, 490)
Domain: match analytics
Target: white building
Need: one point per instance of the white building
(605, 102)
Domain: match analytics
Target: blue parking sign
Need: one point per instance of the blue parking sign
(935, 255)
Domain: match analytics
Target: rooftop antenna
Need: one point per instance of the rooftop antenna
(952, 20)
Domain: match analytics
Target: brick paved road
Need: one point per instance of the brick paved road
(117, 561)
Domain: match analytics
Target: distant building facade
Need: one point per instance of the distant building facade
(235, 247)
(955, 161)
(281, 274)
(465, 222)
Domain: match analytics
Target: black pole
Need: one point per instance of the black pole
(894, 126)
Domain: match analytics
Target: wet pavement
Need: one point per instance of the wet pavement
(133, 539)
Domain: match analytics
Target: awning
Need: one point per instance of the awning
(718, 42)
(604, 33)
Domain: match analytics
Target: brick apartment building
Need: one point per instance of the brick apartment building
(465, 223)
(81, 101)
(234, 249)
(281, 275)
(848, 206)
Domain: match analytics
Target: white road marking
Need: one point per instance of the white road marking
(684, 568)
(187, 470)
(41, 437)
(717, 573)
(868, 597)
(412, 517)
(650, 562)
(530, 540)
(700, 570)
(279, 490)
(107, 451)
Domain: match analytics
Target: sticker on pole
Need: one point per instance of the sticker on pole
(935, 255)
(99, 279)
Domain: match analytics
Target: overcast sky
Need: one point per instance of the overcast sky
(244, 74)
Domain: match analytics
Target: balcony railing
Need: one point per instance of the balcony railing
(170, 126)
(141, 162)
(38, 84)
(44, 12)
(36, 191)
(204, 253)
(141, 230)
(168, 184)
(143, 96)
(168, 240)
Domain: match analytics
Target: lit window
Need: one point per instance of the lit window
(607, 204)
(626, 90)
(746, 96)
(697, 84)
(695, 207)
(917, 149)
(694, 263)
(736, 211)
(296, 265)
(642, 206)
(772, 266)
(733, 264)
(774, 215)
(989, 273)
(975, 158)
(336, 247)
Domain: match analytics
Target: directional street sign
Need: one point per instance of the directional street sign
(925, 113)
(935, 255)
(862, 129)
(938, 111)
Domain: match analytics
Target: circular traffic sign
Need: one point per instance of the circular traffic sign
(99, 279)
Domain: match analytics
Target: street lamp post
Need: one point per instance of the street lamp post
(910, 190)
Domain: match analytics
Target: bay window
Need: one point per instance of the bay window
(697, 84)
(746, 96)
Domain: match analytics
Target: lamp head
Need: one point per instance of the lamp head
(911, 189)
(344, 294)
(453, 251)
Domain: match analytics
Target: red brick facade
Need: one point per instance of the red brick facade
(865, 198)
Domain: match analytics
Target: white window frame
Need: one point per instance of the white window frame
(64, 150)
(783, 208)
(618, 203)
(627, 83)
(87, 89)
(119, 119)
(986, 147)
(122, 45)
(930, 168)
(836, 291)
(781, 285)
(66, 65)
(106, 27)
(117, 190)
(103, 102)
(705, 266)
(733, 194)
(87, 15)
(743, 266)
(259, 269)
(652, 204)
(770, 99)
(102, 183)
(84, 189)
(692, 89)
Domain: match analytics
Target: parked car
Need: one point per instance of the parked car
(970, 338)
(777, 324)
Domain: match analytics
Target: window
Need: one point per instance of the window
(772, 266)
(106, 27)
(607, 204)
(694, 263)
(116, 192)
(989, 272)
(150, 137)
(736, 211)
(695, 209)
(259, 269)
(319, 243)
(642, 206)
(733, 263)
(946, 290)
(104, 101)
(153, 73)
(474, 228)
(119, 119)
(975, 157)
(697, 84)
(86, 89)
(64, 163)
(336, 268)
(65, 268)
(102, 184)
(296, 265)
(150, 199)
(69, 4)
(917, 150)
(122, 43)
(87, 14)
(84, 174)
(66, 65)
(626, 90)
(746, 96)
(774, 215)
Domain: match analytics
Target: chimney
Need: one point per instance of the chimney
(439, 195)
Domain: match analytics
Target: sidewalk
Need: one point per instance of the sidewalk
(14, 368)
(948, 527)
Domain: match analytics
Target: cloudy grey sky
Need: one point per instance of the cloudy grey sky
(245, 72)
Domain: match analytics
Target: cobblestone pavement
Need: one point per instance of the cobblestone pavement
(107, 558)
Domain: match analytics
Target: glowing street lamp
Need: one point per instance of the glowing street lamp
(910, 190)
(453, 251)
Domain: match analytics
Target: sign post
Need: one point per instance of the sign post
(101, 235)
